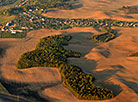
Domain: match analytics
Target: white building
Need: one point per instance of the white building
(30, 10)
(8, 24)
(13, 32)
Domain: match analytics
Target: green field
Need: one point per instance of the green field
(5, 19)
(10, 35)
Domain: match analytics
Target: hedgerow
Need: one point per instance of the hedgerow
(109, 35)
(50, 52)
(134, 55)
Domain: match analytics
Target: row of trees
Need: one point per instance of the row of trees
(5, 12)
(8, 34)
(134, 55)
(105, 37)
(6, 2)
(46, 4)
(10, 11)
(49, 52)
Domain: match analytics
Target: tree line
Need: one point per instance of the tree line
(6, 2)
(50, 52)
(109, 35)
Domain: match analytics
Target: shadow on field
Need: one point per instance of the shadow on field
(82, 44)
(76, 6)
(116, 89)
(131, 84)
(79, 43)
(2, 52)
(3, 48)
(28, 90)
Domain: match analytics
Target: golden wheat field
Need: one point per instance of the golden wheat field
(108, 62)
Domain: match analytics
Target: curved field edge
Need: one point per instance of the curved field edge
(4, 93)
(49, 52)
(109, 35)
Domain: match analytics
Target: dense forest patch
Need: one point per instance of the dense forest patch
(50, 52)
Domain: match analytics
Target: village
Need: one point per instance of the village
(31, 19)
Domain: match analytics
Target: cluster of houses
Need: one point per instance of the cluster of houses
(29, 20)
(33, 21)
(9, 27)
